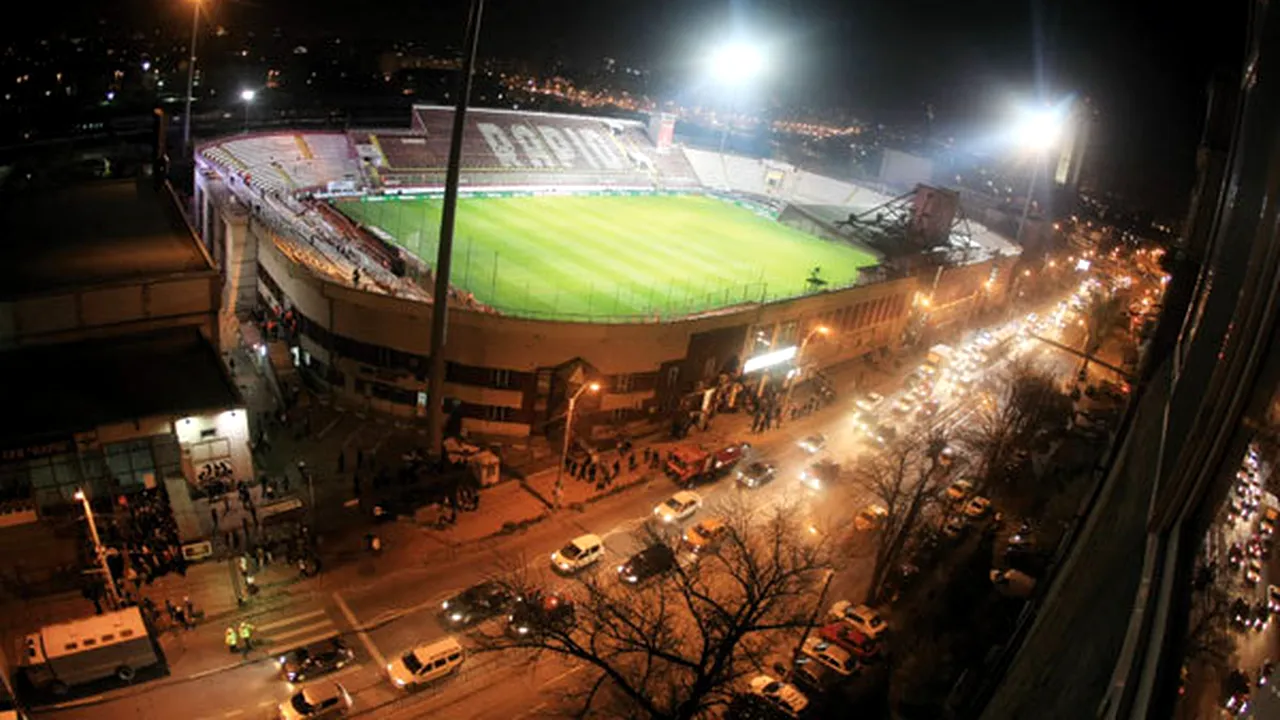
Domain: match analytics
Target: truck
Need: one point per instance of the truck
(115, 644)
(691, 465)
(938, 359)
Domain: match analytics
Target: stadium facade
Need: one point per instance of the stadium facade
(263, 205)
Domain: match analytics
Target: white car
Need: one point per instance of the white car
(322, 700)
(581, 552)
(781, 695)
(680, 506)
(830, 655)
(426, 663)
(814, 443)
(869, 402)
(862, 618)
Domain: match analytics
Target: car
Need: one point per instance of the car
(653, 560)
(1235, 556)
(862, 618)
(540, 612)
(1267, 523)
(680, 506)
(1252, 573)
(1241, 614)
(849, 638)
(870, 518)
(1236, 693)
(426, 663)
(1273, 598)
(902, 407)
(959, 490)
(476, 603)
(955, 528)
(581, 552)
(706, 536)
(781, 695)
(870, 401)
(861, 420)
(756, 474)
(813, 444)
(1013, 583)
(321, 700)
(819, 474)
(977, 507)
(928, 409)
(309, 661)
(882, 434)
(946, 456)
(830, 655)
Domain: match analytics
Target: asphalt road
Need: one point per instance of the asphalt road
(389, 609)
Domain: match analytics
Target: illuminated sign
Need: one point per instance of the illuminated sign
(770, 359)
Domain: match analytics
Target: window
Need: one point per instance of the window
(673, 375)
(622, 383)
(495, 413)
(502, 378)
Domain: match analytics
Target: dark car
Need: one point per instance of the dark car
(647, 563)
(540, 612)
(476, 603)
(316, 659)
(756, 474)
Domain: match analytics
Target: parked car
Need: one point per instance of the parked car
(862, 618)
(869, 402)
(321, 700)
(1252, 573)
(813, 443)
(315, 659)
(959, 490)
(977, 507)
(820, 474)
(830, 655)
(680, 506)
(870, 518)
(580, 553)
(476, 603)
(781, 695)
(653, 560)
(1013, 583)
(850, 638)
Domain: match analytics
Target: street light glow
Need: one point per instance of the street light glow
(594, 387)
(736, 62)
(1039, 128)
(248, 95)
(79, 495)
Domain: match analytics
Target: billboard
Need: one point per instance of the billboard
(904, 171)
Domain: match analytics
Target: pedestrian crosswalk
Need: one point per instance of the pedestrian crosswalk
(285, 634)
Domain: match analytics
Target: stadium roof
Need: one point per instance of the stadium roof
(75, 387)
(92, 234)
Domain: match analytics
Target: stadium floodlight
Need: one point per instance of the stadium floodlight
(191, 77)
(735, 63)
(248, 95)
(1039, 129)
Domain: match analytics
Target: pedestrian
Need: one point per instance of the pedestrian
(253, 512)
(213, 513)
(191, 611)
(231, 638)
(591, 472)
(617, 467)
(244, 525)
(180, 618)
(647, 452)
(261, 552)
(226, 503)
(171, 610)
(631, 462)
(246, 636)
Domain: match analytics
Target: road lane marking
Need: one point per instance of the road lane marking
(232, 713)
(290, 620)
(329, 427)
(364, 636)
(387, 616)
(278, 637)
(563, 675)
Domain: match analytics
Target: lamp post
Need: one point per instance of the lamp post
(568, 431)
(247, 96)
(191, 77)
(112, 594)
(819, 330)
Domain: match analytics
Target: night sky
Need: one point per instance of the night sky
(1144, 65)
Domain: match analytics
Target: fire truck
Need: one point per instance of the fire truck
(691, 465)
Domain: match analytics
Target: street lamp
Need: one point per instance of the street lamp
(568, 431)
(191, 77)
(112, 595)
(247, 97)
(1037, 130)
(819, 330)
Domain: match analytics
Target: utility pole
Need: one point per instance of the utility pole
(444, 253)
(112, 594)
(568, 432)
(191, 77)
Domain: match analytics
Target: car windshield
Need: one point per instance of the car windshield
(570, 551)
(674, 504)
(772, 688)
(756, 469)
(703, 532)
(300, 704)
(411, 662)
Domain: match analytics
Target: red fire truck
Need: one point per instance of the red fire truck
(691, 465)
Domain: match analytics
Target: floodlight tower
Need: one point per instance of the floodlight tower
(732, 66)
(1037, 131)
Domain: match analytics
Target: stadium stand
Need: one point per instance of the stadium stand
(708, 168)
(746, 175)
(817, 190)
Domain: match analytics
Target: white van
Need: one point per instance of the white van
(426, 663)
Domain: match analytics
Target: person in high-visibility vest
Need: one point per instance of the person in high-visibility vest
(246, 636)
(231, 639)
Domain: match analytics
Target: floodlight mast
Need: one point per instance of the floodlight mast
(444, 254)
(1037, 131)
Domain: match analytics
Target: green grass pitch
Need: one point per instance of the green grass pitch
(613, 257)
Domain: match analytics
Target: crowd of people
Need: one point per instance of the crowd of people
(602, 469)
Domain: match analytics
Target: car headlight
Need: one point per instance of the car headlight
(632, 578)
(444, 605)
(389, 667)
(281, 660)
(399, 682)
(456, 617)
(564, 566)
(523, 630)
(668, 518)
(292, 676)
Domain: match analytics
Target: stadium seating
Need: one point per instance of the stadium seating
(814, 189)
(746, 175)
(708, 168)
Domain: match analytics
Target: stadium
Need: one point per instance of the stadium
(584, 247)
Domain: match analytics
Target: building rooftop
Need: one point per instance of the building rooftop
(92, 233)
(74, 387)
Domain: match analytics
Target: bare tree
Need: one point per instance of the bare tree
(1025, 403)
(1104, 315)
(906, 478)
(680, 646)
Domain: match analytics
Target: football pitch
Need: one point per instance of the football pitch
(614, 257)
